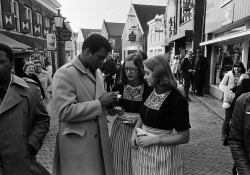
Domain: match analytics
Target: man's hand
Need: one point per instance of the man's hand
(108, 98)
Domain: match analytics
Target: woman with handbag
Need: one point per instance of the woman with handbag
(230, 80)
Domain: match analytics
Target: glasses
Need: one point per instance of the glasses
(38, 66)
(130, 69)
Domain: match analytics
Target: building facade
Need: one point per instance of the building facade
(137, 26)
(184, 25)
(227, 36)
(113, 32)
(28, 21)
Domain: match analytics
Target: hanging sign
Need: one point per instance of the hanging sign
(132, 36)
(65, 34)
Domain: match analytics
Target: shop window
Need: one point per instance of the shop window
(1, 17)
(28, 15)
(15, 9)
(226, 56)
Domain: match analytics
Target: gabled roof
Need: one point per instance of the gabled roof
(146, 13)
(87, 32)
(114, 29)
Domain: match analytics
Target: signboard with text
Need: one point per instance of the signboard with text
(227, 14)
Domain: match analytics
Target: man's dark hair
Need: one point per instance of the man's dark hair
(8, 51)
(143, 54)
(95, 42)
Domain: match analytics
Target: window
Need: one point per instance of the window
(15, 10)
(151, 53)
(159, 51)
(1, 18)
(39, 20)
(226, 56)
(28, 15)
(185, 11)
(152, 35)
(47, 23)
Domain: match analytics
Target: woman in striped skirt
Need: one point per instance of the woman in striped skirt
(155, 145)
(131, 88)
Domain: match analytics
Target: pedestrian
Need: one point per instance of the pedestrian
(82, 143)
(24, 121)
(164, 109)
(29, 72)
(200, 66)
(239, 136)
(174, 66)
(192, 60)
(230, 80)
(186, 73)
(131, 88)
(109, 70)
(118, 74)
(44, 78)
(48, 68)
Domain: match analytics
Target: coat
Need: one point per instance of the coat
(185, 66)
(82, 144)
(200, 66)
(23, 120)
(45, 80)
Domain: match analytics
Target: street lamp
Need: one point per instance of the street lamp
(63, 34)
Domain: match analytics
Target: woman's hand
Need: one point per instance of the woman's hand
(133, 139)
(144, 141)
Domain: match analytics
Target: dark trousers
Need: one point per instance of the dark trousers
(180, 79)
(109, 85)
(186, 86)
(199, 90)
(226, 123)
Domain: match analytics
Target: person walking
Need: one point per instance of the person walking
(109, 70)
(44, 78)
(82, 143)
(230, 80)
(174, 66)
(164, 109)
(186, 72)
(200, 66)
(131, 88)
(24, 121)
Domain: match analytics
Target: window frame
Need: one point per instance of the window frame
(28, 12)
(1, 17)
(39, 20)
(152, 36)
(14, 5)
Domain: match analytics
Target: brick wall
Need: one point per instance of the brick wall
(35, 7)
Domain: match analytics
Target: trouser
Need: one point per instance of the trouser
(186, 86)
(226, 123)
(109, 85)
(199, 90)
(180, 78)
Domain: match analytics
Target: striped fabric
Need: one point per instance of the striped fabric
(156, 159)
(121, 147)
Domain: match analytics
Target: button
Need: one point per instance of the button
(24, 113)
(95, 120)
(95, 135)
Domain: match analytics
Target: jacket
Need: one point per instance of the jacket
(45, 80)
(82, 143)
(185, 66)
(23, 120)
(239, 136)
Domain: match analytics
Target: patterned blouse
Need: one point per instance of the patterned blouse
(165, 111)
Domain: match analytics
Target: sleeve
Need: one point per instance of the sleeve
(236, 137)
(41, 125)
(180, 114)
(223, 82)
(183, 66)
(67, 107)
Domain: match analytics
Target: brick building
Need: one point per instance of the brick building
(28, 22)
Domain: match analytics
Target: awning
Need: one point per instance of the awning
(240, 35)
(185, 33)
(15, 45)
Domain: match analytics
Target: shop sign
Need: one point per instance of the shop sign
(132, 36)
(51, 41)
(65, 34)
(227, 14)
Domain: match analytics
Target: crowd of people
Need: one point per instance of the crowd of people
(152, 115)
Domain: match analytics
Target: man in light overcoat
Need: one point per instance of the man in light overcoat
(82, 145)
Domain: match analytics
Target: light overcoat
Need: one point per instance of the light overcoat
(82, 146)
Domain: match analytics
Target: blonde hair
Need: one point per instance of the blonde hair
(161, 71)
(28, 64)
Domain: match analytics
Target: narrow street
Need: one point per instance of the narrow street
(203, 155)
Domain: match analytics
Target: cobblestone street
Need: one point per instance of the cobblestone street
(204, 154)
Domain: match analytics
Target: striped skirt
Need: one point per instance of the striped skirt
(121, 147)
(156, 159)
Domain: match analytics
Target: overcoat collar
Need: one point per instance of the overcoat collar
(97, 79)
(17, 89)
